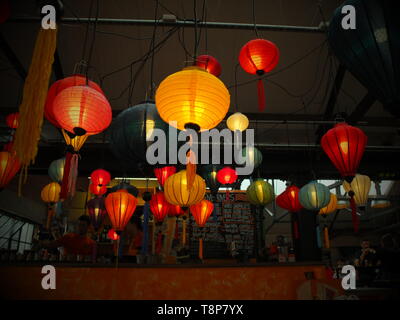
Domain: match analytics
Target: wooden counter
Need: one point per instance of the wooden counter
(170, 282)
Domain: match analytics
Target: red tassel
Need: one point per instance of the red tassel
(296, 230)
(159, 243)
(354, 215)
(227, 195)
(261, 95)
(65, 181)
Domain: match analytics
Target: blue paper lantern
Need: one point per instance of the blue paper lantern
(314, 196)
(56, 170)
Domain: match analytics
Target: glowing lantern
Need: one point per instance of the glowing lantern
(253, 156)
(210, 64)
(227, 175)
(100, 177)
(175, 211)
(97, 212)
(56, 170)
(289, 199)
(60, 85)
(260, 193)
(12, 120)
(51, 195)
(120, 207)
(192, 98)
(237, 121)
(360, 186)
(257, 57)
(344, 145)
(331, 207)
(82, 110)
(159, 206)
(97, 190)
(176, 191)
(314, 196)
(9, 166)
(112, 235)
(163, 173)
(201, 211)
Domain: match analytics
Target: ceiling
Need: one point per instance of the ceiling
(299, 88)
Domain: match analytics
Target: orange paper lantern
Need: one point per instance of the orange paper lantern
(201, 212)
(120, 207)
(9, 166)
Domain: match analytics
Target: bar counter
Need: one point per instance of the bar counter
(261, 281)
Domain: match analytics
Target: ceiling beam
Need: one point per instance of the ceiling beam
(361, 109)
(12, 57)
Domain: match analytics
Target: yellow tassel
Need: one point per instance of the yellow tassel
(190, 169)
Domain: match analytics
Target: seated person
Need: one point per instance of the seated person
(75, 243)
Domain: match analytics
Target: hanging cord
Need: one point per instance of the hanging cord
(153, 40)
(309, 151)
(205, 26)
(254, 19)
(87, 31)
(93, 40)
(195, 30)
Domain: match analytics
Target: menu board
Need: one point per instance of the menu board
(231, 221)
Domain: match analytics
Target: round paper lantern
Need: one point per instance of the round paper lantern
(344, 145)
(257, 57)
(100, 177)
(112, 235)
(12, 120)
(209, 174)
(56, 170)
(51, 193)
(227, 175)
(120, 207)
(176, 191)
(97, 190)
(331, 207)
(260, 193)
(97, 212)
(159, 206)
(314, 196)
(253, 156)
(237, 121)
(175, 210)
(192, 98)
(163, 173)
(370, 51)
(361, 186)
(82, 110)
(201, 211)
(74, 142)
(132, 128)
(60, 85)
(289, 199)
(9, 166)
(210, 64)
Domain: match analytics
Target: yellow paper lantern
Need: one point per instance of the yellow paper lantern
(51, 193)
(176, 189)
(193, 98)
(360, 186)
(332, 205)
(237, 121)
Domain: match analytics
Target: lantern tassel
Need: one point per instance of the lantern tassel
(73, 174)
(190, 165)
(201, 248)
(354, 216)
(326, 237)
(261, 95)
(65, 183)
(145, 241)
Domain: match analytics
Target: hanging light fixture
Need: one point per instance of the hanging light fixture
(100, 177)
(344, 145)
(112, 235)
(9, 166)
(82, 110)
(260, 193)
(97, 212)
(120, 207)
(227, 175)
(159, 206)
(210, 64)
(192, 98)
(56, 170)
(289, 199)
(258, 57)
(237, 121)
(163, 173)
(314, 196)
(201, 211)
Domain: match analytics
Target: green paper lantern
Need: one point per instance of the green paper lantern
(252, 155)
(260, 193)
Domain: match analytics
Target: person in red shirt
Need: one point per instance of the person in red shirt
(77, 244)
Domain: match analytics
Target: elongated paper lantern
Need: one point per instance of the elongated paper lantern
(163, 173)
(192, 98)
(201, 211)
(120, 207)
(97, 212)
(314, 196)
(9, 166)
(344, 145)
(260, 193)
(289, 199)
(331, 207)
(159, 206)
(210, 64)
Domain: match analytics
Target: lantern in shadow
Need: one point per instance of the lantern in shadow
(97, 212)
(9, 166)
(289, 199)
(314, 196)
(201, 211)
(209, 174)
(56, 170)
(370, 51)
(163, 173)
(127, 186)
(12, 120)
(331, 207)
(260, 193)
(51, 195)
(253, 156)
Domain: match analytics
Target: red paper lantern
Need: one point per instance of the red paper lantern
(120, 207)
(82, 110)
(97, 212)
(289, 199)
(100, 177)
(58, 86)
(257, 57)
(12, 120)
(9, 166)
(227, 175)
(159, 206)
(97, 190)
(201, 211)
(163, 173)
(175, 211)
(345, 145)
(112, 235)
(210, 64)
